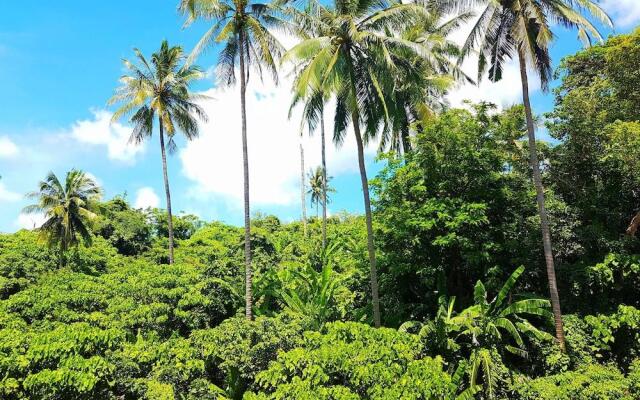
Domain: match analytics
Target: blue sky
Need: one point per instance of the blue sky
(60, 62)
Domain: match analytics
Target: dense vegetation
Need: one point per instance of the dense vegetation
(451, 301)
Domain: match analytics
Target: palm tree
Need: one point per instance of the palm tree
(313, 112)
(241, 25)
(348, 56)
(422, 82)
(522, 28)
(160, 89)
(302, 191)
(68, 209)
(318, 188)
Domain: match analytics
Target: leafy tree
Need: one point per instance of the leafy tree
(160, 89)
(128, 230)
(243, 28)
(68, 209)
(351, 65)
(507, 28)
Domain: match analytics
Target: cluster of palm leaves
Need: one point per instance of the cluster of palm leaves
(384, 65)
(486, 330)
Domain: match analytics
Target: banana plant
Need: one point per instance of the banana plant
(496, 326)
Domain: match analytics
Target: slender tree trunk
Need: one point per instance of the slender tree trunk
(544, 219)
(245, 166)
(324, 181)
(367, 209)
(166, 190)
(303, 199)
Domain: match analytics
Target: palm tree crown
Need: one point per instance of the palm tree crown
(506, 27)
(68, 209)
(238, 24)
(160, 88)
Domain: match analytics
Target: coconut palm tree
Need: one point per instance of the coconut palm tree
(318, 188)
(303, 199)
(422, 82)
(348, 57)
(160, 89)
(312, 114)
(68, 209)
(242, 28)
(508, 29)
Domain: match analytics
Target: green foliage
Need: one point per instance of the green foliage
(457, 210)
(126, 229)
(22, 259)
(354, 361)
(592, 382)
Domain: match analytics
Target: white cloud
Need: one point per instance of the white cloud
(7, 195)
(146, 198)
(214, 160)
(625, 13)
(504, 93)
(101, 131)
(30, 221)
(7, 147)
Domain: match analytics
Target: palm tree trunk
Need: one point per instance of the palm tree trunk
(245, 166)
(166, 190)
(303, 199)
(367, 209)
(324, 181)
(544, 219)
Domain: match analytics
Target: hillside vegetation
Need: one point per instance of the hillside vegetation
(463, 292)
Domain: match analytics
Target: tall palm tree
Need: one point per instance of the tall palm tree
(319, 188)
(302, 191)
(312, 114)
(313, 111)
(241, 26)
(160, 89)
(348, 57)
(68, 209)
(522, 29)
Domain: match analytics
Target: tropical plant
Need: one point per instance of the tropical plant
(303, 200)
(506, 29)
(318, 189)
(160, 89)
(312, 113)
(422, 82)
(68, 209)
(348, 57)
(497, 325)
(313, 293)
(242, 26)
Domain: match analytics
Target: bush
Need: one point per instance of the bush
(592, 382)
(353, 361)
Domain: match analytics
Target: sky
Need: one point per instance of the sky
(60, 63)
